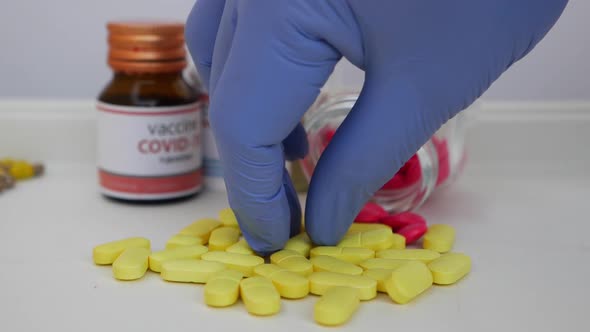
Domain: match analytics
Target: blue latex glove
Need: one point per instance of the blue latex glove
(264, 62)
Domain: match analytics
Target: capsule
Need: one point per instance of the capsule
(399, 242)
(439, 238)
(21, 170)
(450, 268)
(223, 237)
(371, 213)
(401, 220)
(380, 276)
(260, 296)
(326, 251)
(300, 243)
(423, 255)
(382, 263)
(223, 288)
(240, 247)
(289, 284)
(132, 264)
(378, 239)
(239, 262)
(320, 282)
(360, 227)
(158, 258)
(190, 270)
(336, 306)
(408, 281)
(228, 218)
(107, 253)
(182, 240)
(292, 261)
(351, 255)
(413, 232)
(201, 228)
(331, 264)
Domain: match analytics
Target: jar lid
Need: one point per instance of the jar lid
(145, 27)
(146, 46)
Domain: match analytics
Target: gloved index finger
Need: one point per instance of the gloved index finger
(259, 99)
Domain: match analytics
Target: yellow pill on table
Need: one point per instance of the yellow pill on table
(423, 255)
(223, 237)
(325, 251)
(380, 276)
(381, 239)
(336, 306)
(239, 262)
(21, 170)
(201, 228)
(299, 243)
(377, 239)
(320, 282)
(351, 255)
(228, 218)
(223, 288)
(132, 264)
(439, 237)
(351, 240)
(332, 264)
(382, 263)
(292, 261)
(182, 240)
(158, 258)
(107, 253)
(289, 284)
(361, 227)
(356, 255)
(408, 281)
(190, 270)
(399, 242)
(260, 296)
(450, 268)
(240, 247)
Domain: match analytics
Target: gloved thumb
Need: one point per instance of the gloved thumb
(393, 117)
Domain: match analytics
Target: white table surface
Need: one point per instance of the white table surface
(527, 233)
(521, 212)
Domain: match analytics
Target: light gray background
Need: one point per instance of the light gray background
(57, 49)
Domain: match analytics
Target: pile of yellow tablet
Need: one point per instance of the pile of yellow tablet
(369, 259)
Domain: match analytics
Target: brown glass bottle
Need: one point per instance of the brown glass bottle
(149, 117)
(149, 90)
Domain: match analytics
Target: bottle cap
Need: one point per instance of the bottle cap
(146, 46)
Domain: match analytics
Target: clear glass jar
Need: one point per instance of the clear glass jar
(436, 164)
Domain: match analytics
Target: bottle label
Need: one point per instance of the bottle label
(149, 152)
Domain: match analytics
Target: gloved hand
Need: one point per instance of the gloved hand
(264, 62)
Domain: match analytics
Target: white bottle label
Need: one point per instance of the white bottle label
(149, 152)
